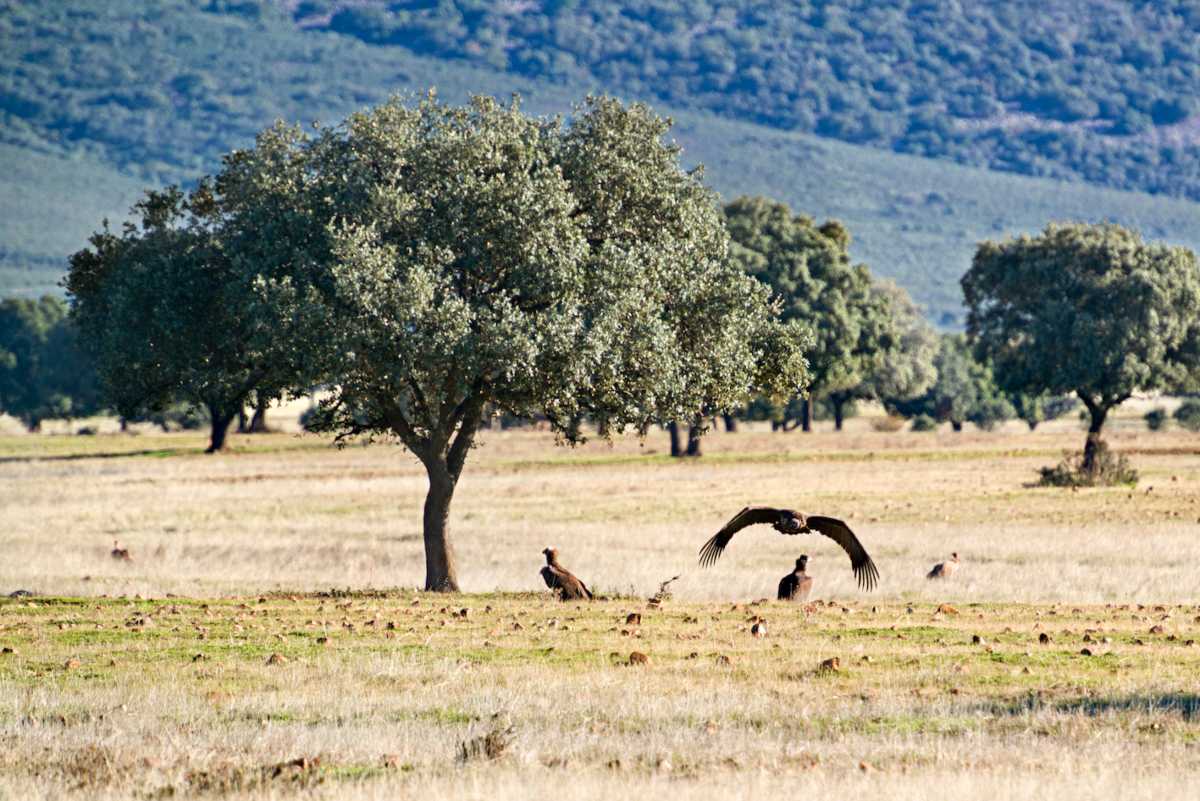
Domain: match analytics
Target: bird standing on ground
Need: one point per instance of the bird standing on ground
(944, 570)
(559, 578)
(119, 553)
(789, 522)
(797, 585)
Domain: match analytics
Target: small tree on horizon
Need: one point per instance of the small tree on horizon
(1086, 309)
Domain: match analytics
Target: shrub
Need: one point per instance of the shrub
(1156, 419)
(1111, 469)
(923, 422)
(890, 423)
(1188, 415)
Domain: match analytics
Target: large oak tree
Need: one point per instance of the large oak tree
(1088, 309)
(468, 258)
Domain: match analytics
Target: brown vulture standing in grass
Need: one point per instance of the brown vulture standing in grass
(786, 521)
(797, 585)
(944, 570)
(559, 578)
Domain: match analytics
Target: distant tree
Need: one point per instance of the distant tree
(1088, 309)
(43, 372)
(1035, 409)
(964, 392)
(1188, 415)
(479, 257)
(903, 367)
(167, 309)
(808, 268)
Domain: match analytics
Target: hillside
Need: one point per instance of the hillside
(1101, 90)
(914, 219)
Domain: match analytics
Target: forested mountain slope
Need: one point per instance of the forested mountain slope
(1100, 90)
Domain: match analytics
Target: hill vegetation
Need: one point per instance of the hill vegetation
(1102, 91)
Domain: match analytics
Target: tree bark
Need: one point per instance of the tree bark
(258, 423)
(1097, 413)
(444, 458)
(693, 445)
(806, 415)
(676, 446)
(441, 574)
(839, 405)
(243, 426)
(220, 427)
(730, 423)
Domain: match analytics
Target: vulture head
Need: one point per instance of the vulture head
(802, 563)
(550, 553)
(954, 556)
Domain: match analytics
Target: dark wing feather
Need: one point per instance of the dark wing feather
(747, 517)
(864, 569)
(569, 587)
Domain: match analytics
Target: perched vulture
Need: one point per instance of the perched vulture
(559, 578)
(796, 586)
(119, 553)
(786, 521)
(944, 570)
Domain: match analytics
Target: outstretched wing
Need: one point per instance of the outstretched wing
(864, 569)
(747, 517)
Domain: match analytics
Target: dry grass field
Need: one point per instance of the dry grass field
(265, 640)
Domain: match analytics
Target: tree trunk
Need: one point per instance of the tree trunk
(956, 425)
(243, 426)
(693, 446)
(730, 423)
(777, 426)
(258, 423)
(1097, 414)
(839, 406)
(806, 415)
(440, 572)
(124, 425)
(220, 427)
(676, 447)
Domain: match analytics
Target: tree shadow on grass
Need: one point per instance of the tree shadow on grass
(1186, 705)
(162, 453)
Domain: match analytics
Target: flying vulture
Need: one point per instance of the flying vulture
(559, 578)
(944, 570)
(786, 521)
(796, 586)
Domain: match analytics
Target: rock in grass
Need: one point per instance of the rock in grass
(831, 665)
(276, 659)
(638, 658)
(1044, 638)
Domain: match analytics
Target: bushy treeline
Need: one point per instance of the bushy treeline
(1060, 88)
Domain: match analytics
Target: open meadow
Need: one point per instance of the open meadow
(264, 641)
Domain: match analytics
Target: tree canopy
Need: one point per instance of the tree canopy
(168, 310)
(1087, 309)
(808, 268)
(43, 372)
(964, 391)
(476, 256)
